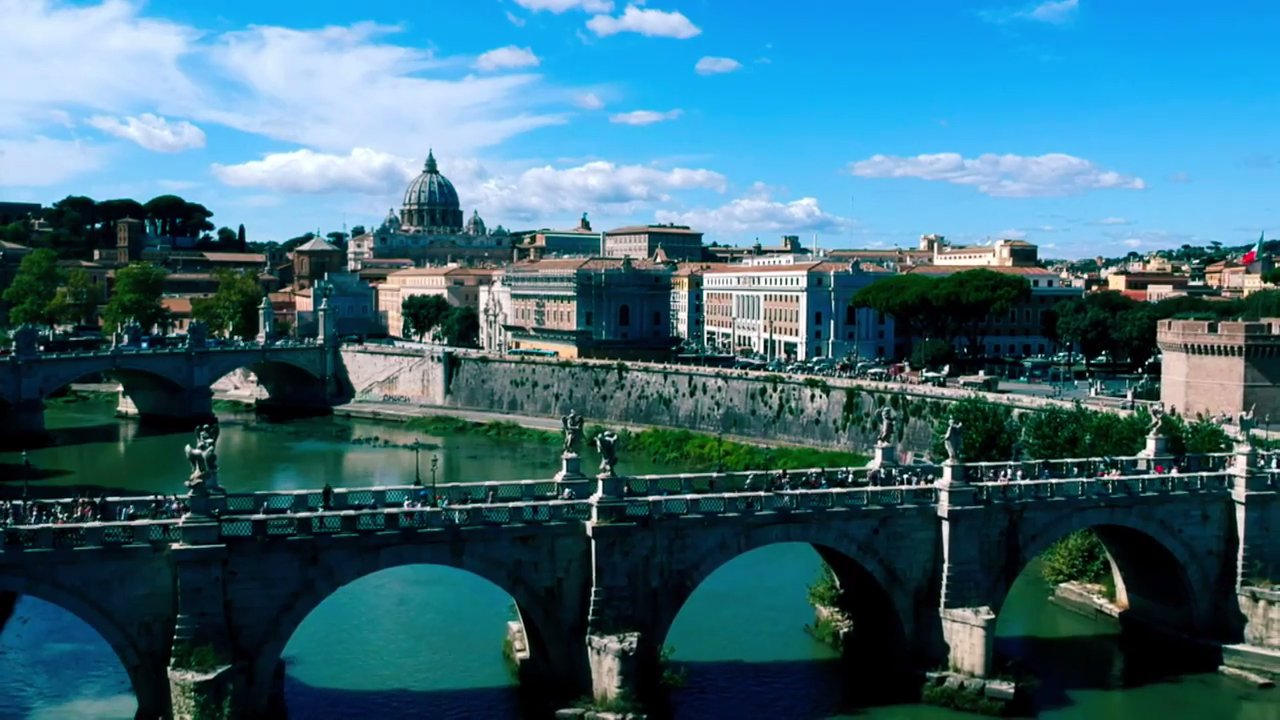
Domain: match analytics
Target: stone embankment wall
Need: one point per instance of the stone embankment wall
(821, 412)
(1261, 608)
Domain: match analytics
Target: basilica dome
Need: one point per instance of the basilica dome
(430, 203)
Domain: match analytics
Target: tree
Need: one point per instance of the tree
(989, 431)
(77, 299)
(461, 327)
(337, 238)
(971, 298)
(1261, 304)
(172, 216)
(240, 243)
(136, 296)
(357, 231)
(226, 237)
(422, 313)
(233, 309)
(909, 299)
(34, 287)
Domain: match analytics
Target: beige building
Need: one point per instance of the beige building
(587, 307)
(641, 242)
(1214, 367)
(460, 286)
(793, 308)
(687, 313)
(1001, 253)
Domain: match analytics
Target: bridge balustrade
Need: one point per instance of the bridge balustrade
(1021, 490)
(97, 534)
(746, 503)
(391, 519)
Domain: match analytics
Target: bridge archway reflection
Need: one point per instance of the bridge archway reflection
(406, 640)
(747, 624)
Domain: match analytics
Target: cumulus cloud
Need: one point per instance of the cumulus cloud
(549, 192)
(645, 117)
(716, 65)
(589, 101)
(1052, 174)
(41, 161)
(340, 87)
(758, 212)
(1111, 221)
(103, 57)
(152, 132)
(507, 58)
(650, 23)
(363, 171)
(1053, 12)
(559, 6)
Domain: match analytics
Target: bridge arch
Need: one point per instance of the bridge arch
(536, 607)
(877, 593)
(285, 380)
(1161, 575)
(147, 673)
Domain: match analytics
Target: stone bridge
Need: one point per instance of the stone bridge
(200, 609)
(168, 382)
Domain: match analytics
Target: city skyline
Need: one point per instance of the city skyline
(1085, 127)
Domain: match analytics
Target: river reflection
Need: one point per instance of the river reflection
(424, 641)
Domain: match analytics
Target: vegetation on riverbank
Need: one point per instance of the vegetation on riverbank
(964, 700)
(1078, 557)
(693, 451)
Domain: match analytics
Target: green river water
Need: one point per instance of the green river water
(426, 641)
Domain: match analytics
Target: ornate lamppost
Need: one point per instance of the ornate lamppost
(435, 462)
(26, 474)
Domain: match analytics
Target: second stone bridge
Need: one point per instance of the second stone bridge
(200, 610)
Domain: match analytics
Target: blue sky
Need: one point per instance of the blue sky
(1087, 126)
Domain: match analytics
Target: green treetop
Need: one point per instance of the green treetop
(33, 291)
(137, 293)
(233, 309)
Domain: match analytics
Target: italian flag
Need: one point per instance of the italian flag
(1252, 256)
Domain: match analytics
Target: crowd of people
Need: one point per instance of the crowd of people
(89, 509)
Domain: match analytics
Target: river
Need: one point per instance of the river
(426, 641)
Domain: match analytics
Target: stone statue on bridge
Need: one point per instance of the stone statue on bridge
(1157, 418)
(607, 444)
(572, 425)
(953, 440)
(886, 426)
(203, 457)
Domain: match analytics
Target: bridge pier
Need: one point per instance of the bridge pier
(204, 683)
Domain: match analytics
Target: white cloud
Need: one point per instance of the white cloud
(101, 57)
(645, 117)
(1132, 243)
(1052, 174)
(42, 161)
(589, 101)
(548, 193)
(363, 171)
(758, 212)
(650, 23)
(559, 6)
(341, 87)
(515, 19)
(1112, 221)
(716, 65)
(152, 132)
(1053, 11)
(507, 58)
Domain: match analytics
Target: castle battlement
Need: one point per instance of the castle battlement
(1220, 337)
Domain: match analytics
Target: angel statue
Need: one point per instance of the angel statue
(886, 426)
(203, 456)
(572, 425)
(607, 444)
(953, 440)
(1157, 417)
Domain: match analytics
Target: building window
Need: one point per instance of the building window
(624, 316)
(817, 318)
(817, 334)
(657, 318)
(850, 315)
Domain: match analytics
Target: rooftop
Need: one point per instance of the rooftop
(665, 229)
(953, 269)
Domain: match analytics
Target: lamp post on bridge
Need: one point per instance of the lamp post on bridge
(26, 475)
(435, 462)
(417, 466)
